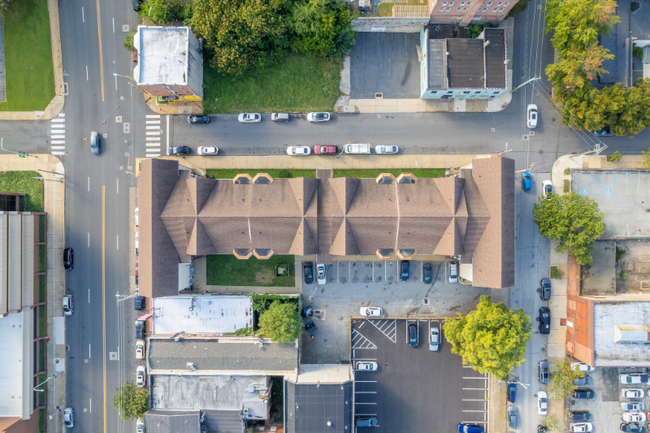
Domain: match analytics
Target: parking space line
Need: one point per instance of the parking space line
(474, 422)
(474, 389)
(362, 403)
(476, 377)
(361, 342)
(365, 414)
(386, 327)
(473, 411)
(365, 392)
(365, 381)
(474, 399)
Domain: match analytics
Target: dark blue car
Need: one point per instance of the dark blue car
(512, 392)
(469, 428)
(526, 181)
(405, 270)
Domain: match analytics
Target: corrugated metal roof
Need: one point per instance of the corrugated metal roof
(437, 64)
(15, 365)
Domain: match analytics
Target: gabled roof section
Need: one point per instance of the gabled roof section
(199, 190)
(200, 243)
(344, 189)
(344, 243)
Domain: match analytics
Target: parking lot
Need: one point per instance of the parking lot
(414, 389)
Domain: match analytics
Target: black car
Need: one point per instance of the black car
(68, 259)
(179, 150)
(413, 335)
(512, 392)
(583, 393)
(194, 119)
(136, 5)
(631, 428)
(543, 372)
(427, 274)
(139, 329)
(605, 132)
(580, 416)
(545, 289)
(308, 271)
(541, 429)
(544, 320)
(405, 270)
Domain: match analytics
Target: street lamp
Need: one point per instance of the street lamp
(52, 416)
(523, 84)
(115, 74)
(48, 379)
(20, 154)
(51, 180)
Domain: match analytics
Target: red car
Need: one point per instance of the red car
(325, 150)
(135, 55)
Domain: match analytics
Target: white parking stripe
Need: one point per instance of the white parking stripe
(365, 392)
(152, 155)
(58, 141)
(157, 122)
(58, 136)
(57, 147)
(474, 399)
(153, 116)
(58, 126)
(473, 411)
(152, 127)
(153, 144)
(57, 153)
(156, 138)
(363, 403)
(477, 377)
(365, 381)
(475, 389)
(58, 120)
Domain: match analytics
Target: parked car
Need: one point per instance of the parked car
(320, 273)
(208, 150)
(584, 380)
(545, 289)
(386, 150)
(632, 406)
(526, 181)
(633, 378)
(139, 304)
(68, 417)
(581, 427)
(434, 339)
(139, 349)
(140, 376)
(298, 150)
(195, 119)
(583, 393)
(136, 242)
(321, 149)
(249, 117)
(631, 428)
(405, 270)
(371, 311)
(512, 392)
(544, 319)
(179, 150)
(580, 415)
(308, 272)
(453, 272)
(512, 416)
(137, 215)
(318, 117)
(139, 329)
(547, 189)
(367, 366)
(543, 371)
(94, 142)
(531, 116)
(605, 132)
(413, 335)
(632, 393)
(581, 366)
(365, 421)
(542, 403)
(358, 148)
(469, 428)
(634, 417)
(139, 426)
(280, 117)
(136, 5)
(68, 259)
(541, 428)
(427, 273)
(68, 307)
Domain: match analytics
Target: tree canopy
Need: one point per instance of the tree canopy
(491, 339)
(131, 401)
(281, 323)
(573, 220)
(561, 384)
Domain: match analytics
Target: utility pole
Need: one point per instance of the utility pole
(523, 84)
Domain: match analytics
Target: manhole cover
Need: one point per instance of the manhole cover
(426, 301)
(552, 119)
(493, 129)
(541, 152)
(634, 6)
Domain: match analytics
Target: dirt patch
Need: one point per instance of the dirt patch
(264, 276)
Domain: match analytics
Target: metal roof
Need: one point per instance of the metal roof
(466, 63)
(309, 407)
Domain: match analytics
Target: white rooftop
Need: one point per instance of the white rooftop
(163, 55)
(11, 366)
(609, 315)
(201, 314)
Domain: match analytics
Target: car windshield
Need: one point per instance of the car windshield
(321, 115)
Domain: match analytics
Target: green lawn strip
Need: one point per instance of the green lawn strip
(41, 417)
(298, 84)
(227, 270)
(373, 173)
(24, 182)
(42, 226)
(276, 174)
(41, 257)
(42, 289)
(42, 320)
(41, 355)
(41, 395)
(28, 56)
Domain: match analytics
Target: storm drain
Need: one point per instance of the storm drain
(379, 96)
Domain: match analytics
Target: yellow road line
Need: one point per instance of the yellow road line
(104, 292)
(101, 55)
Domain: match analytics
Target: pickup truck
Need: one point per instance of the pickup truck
(325, 150)
(358, 149)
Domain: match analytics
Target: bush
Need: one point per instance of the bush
(567, 171)
(637, 52)
(474, 30)
(163, 12)
(128, 41)
(615, 157)
(622, 275)
(556, 273)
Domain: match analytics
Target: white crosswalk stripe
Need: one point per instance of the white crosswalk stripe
(153, 131)
(57, 135)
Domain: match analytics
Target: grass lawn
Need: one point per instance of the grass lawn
(23, 181)
(385, 9)
(276, 174)
(299, 84)
(373, 173)
(227, 270)
(28, 56)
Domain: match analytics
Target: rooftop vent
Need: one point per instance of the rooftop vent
(632, 334)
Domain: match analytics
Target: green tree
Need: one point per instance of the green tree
(281, 323)
(131, 401)
(573, 220)
(561, 383)
(646, 159)
(162, 12)
(241, 34)
(128, 41)
(614, 157)
(491, 339)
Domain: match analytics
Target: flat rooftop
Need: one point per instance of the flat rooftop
(11, 366)
(201, 314)
(163, 53)
(608, 315)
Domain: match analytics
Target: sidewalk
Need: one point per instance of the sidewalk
(180, 107)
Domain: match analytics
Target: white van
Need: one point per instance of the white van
(358, 148)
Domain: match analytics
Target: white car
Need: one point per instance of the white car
(139, 349)
(139, 426)
(453, 272)
(581, 427)
(632, 406)
(434, 339)
(318, 117)
(542, 403)
(68, 307)
(208, 150)
(137, 214)
(68, 417)
(632, 393)
(137, 242)
(531, 116)
(634, 417)
(249, 117)
(371, 311)
(581, 366)
(298, 150)
(367, 366)
(320, 274)
(633, 379)
(140, 376)
(386, 150)
(547, 190)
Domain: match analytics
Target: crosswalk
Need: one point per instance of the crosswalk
(57, 134)
(153, 130)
